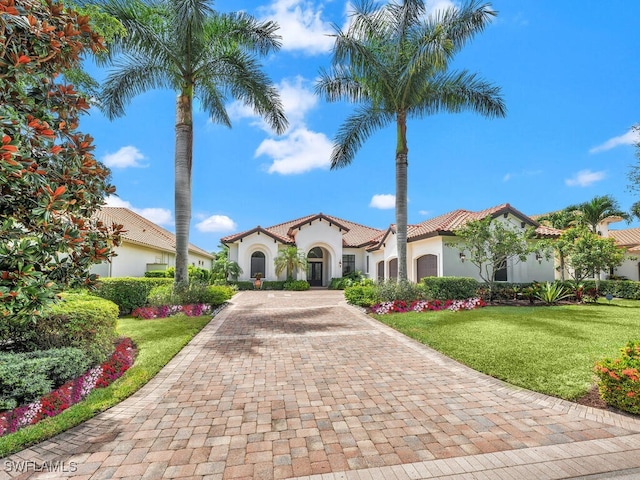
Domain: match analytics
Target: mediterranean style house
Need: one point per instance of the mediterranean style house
(335, 247)
(629, 239)
(145, 246)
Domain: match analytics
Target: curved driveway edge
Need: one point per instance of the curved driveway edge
(300, 384)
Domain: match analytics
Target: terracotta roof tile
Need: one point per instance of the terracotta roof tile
(626, 237)
(141, 231)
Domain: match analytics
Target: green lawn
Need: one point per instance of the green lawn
(158, 341)
(547, 349)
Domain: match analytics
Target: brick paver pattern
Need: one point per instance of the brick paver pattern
(283, 385)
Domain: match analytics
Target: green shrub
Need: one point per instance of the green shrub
(297, 285)
(620, 378)
(128, 293)
(196, 293)
(392, 290)
(82, 321)
(449, 288)
(353, 278)
(156, 274)
(551, 293)
(362, 295)
(25, 377)
(162, 295)
(272, 285)
(243, 285)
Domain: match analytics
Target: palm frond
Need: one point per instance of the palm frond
(212, 101)
(354, 132)
(338, 84)
(245, 31)
(463, 24)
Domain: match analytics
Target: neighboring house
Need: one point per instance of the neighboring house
(145, 246)
(629, 239)
(334, 247)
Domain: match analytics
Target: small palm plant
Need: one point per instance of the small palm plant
(289, 259)
(551, 293)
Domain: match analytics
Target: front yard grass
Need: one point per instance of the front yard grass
(158, 341)
(550, 350)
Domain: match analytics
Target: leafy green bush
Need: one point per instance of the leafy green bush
(156, 274)
(392, 290)
(348, 280)
(620, 288)
(194, 294)
(551, 293)
(272, 285)
(297, 285)
(82, 321)
(128, 292)
(620, 378)
(449, 288)
(25, 377)
(243, 285)
(362, 295)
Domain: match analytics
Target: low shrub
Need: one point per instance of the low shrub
(362, 295)
(55, 401)
(243, 285)
(619, 384)
(128, 292)
(25, 377)
(393, 290)
(165, 311)
(449, 288)
(551, 292)
(297, 285)
(353, 278)
(196, 293)
(272, 285)
(79, 320)
(156, 274)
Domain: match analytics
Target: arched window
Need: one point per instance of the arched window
(393, 268)
(315, 252)
(257, 264)
(427, 266)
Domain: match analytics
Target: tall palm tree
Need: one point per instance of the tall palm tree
(562, 220)
(596, 210)
(186, 46)
(393, 61)
(289, 259)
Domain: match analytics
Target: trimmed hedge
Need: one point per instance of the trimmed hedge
(296, 285)
(449, 288)
(25, 377)
(362, 295)
(82, 321)
(128, 292)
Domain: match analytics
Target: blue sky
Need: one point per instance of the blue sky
(569, 76)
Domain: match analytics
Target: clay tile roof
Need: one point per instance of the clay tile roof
(354, 234)
(626, 237)
(141, 231)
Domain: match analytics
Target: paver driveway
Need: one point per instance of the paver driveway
(284, 385)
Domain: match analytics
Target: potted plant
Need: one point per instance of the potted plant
(257, 282)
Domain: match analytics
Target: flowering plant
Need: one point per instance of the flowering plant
(620, 379)
(164, 311)
(71, 392)
(400, 306)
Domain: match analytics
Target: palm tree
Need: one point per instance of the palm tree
(561, 220)
(289, 259)
(596, 210)
(186, 46)
(393, 61)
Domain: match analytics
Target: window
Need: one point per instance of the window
(257, 264)
(315, 252)
(500, 269)
(393, 268)
(348, 264)
(367, 270)
(427, 266)
(381, 271)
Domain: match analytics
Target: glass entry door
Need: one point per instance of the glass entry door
(314, 275)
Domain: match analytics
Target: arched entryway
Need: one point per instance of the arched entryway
(315, 266)
(258, 264)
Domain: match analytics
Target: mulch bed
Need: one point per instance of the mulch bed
(592, 399)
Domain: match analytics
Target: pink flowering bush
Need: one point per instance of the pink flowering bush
(400, 306)
(164, 311)
(71, 392)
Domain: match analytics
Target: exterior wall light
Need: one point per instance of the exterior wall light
(463, 257)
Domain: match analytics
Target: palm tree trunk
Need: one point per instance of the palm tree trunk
(401, 195)
(183, 159)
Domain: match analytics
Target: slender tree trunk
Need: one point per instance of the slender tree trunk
(183, 160)
(401, 195)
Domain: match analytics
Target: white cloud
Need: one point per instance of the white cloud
(216, 223)
(300, 151)
(632, 137)
(159, 216)
(384, 201)
(524, 173)
(434, 6)
(584, 178)
(126, 157)
(301, 26)
(424, 212)
(507, 177)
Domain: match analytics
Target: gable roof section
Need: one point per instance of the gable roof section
(354, 235)
(629, 237)
(141, 231)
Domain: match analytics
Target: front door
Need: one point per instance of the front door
(315, 274)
